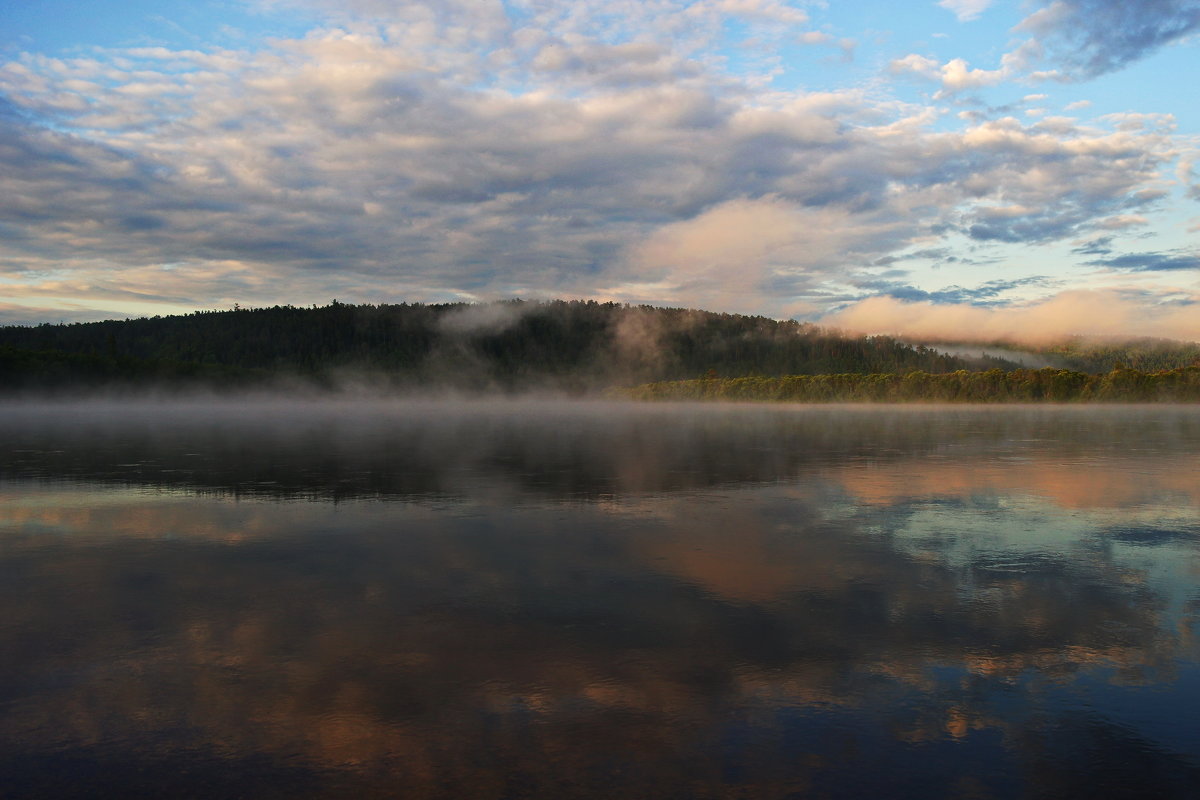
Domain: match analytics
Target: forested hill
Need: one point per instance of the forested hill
(1141, 354)
(575, 345)
(1092, 355)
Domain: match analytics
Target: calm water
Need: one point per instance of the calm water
(580, 600)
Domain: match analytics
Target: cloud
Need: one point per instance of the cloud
(1069, 313)
(629, 64)
(984, 294)
(1083, 39)
(1055, 183)
(1099, 246)
(1151, 262)
(578, 153)
(733, 254)
(1185, 172)
(846, 45)
(338, 155)
(1121, 222)
(1094, 37)
(965, 10)
(956, 75)
(17, 314)
(772, 10)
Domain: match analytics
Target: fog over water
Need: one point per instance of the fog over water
(544, 598)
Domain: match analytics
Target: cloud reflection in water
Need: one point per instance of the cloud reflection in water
(584, 600)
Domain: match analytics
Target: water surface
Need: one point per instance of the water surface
(540, 599)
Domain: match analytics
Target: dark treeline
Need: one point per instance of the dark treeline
(56, 369)
(991, 386)
(576, 345)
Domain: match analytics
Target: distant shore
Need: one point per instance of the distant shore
(1120, 385)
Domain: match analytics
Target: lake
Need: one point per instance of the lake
(544, 599)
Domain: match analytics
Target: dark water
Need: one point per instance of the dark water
(553, 601)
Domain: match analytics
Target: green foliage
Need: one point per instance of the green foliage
(1148, 355)
(991, 386)
(1096, 356)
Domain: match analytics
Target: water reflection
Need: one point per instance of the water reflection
(585, 601)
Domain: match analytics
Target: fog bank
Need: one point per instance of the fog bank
(1067, 314)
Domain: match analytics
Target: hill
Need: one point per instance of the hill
(1099, 355)
(1091, 355)
(510, 345)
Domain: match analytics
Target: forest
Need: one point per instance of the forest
(1121, 384)
(1092, 355)
(577, 347)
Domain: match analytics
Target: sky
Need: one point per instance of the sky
(962, 169)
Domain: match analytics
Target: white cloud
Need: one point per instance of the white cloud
(965, 10)
(955, 75)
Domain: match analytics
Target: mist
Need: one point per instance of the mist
(1025, 358)
(342, 447)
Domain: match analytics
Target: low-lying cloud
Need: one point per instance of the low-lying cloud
(1070, 313)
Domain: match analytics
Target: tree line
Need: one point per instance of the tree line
(1121, 384)
(570, 345)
